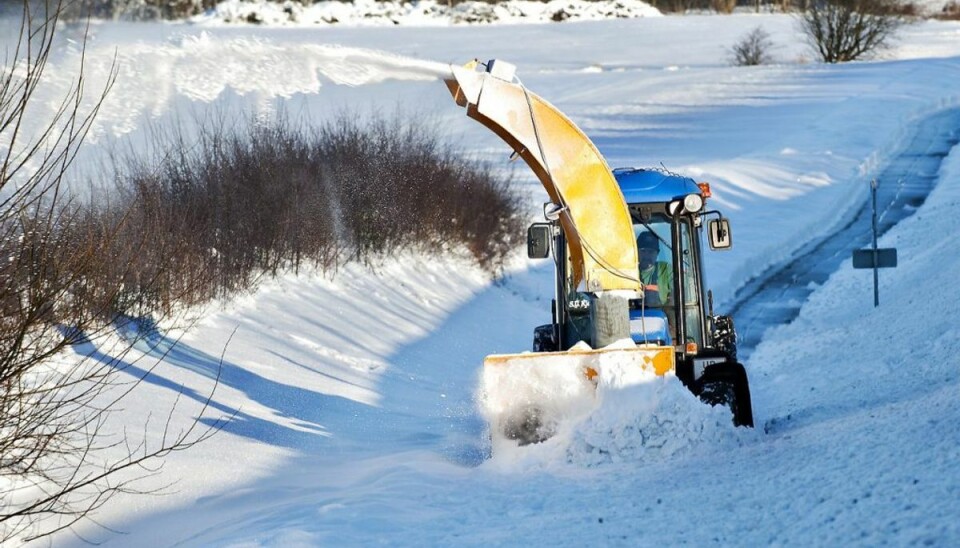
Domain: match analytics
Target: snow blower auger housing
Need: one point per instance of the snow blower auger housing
(629, 280)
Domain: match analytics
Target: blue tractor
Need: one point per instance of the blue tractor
(627, 247)
(676, 308)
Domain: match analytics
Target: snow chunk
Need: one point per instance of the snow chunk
(647, 420)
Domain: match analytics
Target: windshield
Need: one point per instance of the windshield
(655, 264)
(654, 239)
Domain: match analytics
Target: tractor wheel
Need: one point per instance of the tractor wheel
(727, 386)
(545, 339)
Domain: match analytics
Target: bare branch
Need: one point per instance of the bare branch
(57, 262)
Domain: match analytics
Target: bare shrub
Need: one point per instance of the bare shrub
(906, 9)
(950, 11)
(679, 6)
(682, 6)
(752, 49)
(723, 6)
(400, 188)
(846, 30)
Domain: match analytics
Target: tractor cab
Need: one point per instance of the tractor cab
(674, 309)
(666, 229)
(667, 214)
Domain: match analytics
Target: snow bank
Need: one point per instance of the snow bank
(653, 420)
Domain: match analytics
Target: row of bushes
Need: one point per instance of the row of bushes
(179, 9)
(137, 10)
(211, 216)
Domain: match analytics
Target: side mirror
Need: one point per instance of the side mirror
(720, 237)
(538, 240)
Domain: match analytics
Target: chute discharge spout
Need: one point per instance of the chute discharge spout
(594, 217)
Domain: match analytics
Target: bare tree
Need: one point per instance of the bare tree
(753, 48)
(55, 467)
(846, 30)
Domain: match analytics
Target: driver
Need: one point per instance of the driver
(655, 276)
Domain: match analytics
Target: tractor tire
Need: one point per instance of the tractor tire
(727, 385)
(545, 339)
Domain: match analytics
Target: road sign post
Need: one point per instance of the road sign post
(875, 258)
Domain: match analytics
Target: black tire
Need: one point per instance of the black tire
(727, 385)
(545, 339)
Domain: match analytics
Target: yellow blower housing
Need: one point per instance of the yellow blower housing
(525, 393)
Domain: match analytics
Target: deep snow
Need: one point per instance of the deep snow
(356, 421)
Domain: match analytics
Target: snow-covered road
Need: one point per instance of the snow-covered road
(775, 297)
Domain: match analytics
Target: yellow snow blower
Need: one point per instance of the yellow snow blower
(629, 281)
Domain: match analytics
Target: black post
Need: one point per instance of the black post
(560, 256)
(873, 257)
(876, 269)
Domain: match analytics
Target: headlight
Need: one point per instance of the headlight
(692, 203)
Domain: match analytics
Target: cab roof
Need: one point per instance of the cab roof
(641, 186)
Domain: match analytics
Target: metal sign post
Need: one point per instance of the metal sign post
(875, 258)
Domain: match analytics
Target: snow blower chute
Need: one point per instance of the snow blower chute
(629, 282)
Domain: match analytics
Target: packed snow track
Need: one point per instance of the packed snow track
(776, 296)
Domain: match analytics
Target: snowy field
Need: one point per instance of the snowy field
(355, 421)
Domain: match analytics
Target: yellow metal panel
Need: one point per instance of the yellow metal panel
(596, 222)
(659, 359)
